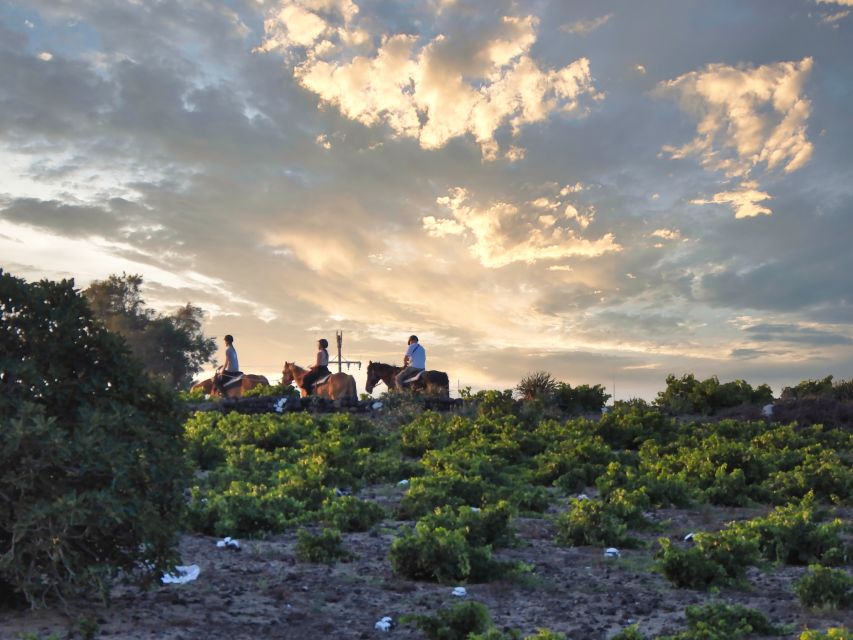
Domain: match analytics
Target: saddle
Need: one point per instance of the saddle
(322, 380)
(415, 377)
(232, 381)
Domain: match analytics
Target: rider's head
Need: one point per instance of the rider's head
(229, 339)
(412, 339)
(324, 344)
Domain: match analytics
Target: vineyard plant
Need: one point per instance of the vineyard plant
(509, 517)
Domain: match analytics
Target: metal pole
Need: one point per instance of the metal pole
(340, 338)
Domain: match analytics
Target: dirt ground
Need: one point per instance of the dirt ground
(262, 591)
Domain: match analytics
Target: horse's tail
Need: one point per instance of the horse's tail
(444, 382)
(351, 390)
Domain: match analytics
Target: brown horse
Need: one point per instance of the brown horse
(338, 386)
(248, 381)
(430, 382)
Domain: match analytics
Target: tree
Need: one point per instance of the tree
(171, 347)
(91, 466)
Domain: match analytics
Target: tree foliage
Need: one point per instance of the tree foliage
(171, 347)
(91, 462)
(688, 395)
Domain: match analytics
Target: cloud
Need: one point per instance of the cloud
(746, 201)
(798, 334)
(834, 18)
(584, 27)
(747, 116)
(503, 234)
(846, 3)
(432, 88)
(667, 234)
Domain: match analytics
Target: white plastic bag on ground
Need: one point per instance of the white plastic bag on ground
(182, 574)
(611, 552)
(459, 592)
(384, 624)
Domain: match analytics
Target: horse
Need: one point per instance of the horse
(431, 382)
(236, 389)
(337, 386)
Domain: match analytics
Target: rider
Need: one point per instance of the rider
(413, 362)
(230, 369)
(320, 368)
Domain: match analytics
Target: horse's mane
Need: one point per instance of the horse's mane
(295, 366)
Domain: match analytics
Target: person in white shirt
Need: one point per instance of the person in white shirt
(320, 367)
(413, 362)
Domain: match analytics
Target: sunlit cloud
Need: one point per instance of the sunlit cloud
(432, 90)
(747, 116)
(745, 201)
(502, 233)
(584, 27)
(667, 234)
(833, 18)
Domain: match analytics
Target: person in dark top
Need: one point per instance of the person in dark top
(320, 367)
(230, 368)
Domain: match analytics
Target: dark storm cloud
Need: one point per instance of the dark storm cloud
(67, 219)
(796, 334)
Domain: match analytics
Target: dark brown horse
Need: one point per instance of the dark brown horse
(430, 382)
(248, 381)
(338, 386)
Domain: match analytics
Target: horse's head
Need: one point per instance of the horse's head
(287, 374)
(372, 377)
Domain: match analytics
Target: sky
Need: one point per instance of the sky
(610, 191)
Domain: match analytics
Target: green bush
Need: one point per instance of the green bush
(450, 547)
(793, 534)
(325, 546)
(718, 559)
(687, 395)
(825, 588)
(272, 390)
(349, 514)
(720, 621)
(596, 523)
(91, 461)
(536, 386)
(629, 633)
(458, 622)
(581, 399)
(806, 388)
(833, 633)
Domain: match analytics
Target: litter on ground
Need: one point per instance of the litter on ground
(384, 624)
(181, 575)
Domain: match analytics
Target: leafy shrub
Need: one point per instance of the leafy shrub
(454, 623)
(825, 588)
(718, 559)
(629, 633)
(833, 633)
(243, 509)
(596, 523)
(806, 388)
(687, 395)
(91, 461)
(349, 514)
(272, 390)
(793, 534)
(720, 621)
(536, 386)
(450, 547)
(325, 546)
(581, 399)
